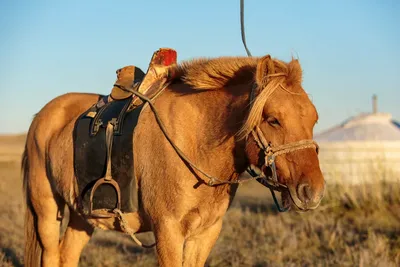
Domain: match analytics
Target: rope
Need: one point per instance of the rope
(212, 181)
(242, 27)
(282, 149)
(291, 147)
(127, 230)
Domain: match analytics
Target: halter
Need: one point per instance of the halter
(271, 152)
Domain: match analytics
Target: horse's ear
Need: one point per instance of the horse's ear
(264, 67)
(294, 72)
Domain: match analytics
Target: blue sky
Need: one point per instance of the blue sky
(349, 50)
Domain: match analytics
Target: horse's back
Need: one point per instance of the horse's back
(56, 114)
(49, 139)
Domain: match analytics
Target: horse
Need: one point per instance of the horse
(211, 110)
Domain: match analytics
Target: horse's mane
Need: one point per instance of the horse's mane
(215, 73)
(205, 73)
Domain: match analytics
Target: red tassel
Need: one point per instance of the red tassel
(164, 57)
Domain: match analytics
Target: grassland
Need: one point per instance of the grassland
(354, 226)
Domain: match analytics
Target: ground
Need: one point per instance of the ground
(354, 226)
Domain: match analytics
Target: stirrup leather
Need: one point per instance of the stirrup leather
(107, 179)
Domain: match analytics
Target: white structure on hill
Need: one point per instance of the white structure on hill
(365, 148)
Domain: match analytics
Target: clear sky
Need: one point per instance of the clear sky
(349, 50)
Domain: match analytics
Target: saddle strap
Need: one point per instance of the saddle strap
(109, 143)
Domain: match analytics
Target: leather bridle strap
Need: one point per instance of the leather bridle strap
(242, 27)
(269, 151)
(212, 181)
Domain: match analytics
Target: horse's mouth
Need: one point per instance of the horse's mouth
(290, 198)
(286, 201)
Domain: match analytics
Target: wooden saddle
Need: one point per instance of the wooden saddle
(103, 154)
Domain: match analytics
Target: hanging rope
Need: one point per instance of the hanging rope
(127, 230)
(242, 27)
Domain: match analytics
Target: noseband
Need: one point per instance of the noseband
(271, 152)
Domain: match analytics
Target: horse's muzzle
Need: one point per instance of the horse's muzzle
(305, 197)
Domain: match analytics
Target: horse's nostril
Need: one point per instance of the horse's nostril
(304, 192)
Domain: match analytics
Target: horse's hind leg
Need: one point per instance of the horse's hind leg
(46, 206)
(76, 236)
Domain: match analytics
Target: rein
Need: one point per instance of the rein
(270, 152)
(242, 27)
(212, 181)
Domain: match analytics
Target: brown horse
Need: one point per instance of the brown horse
(208, 115)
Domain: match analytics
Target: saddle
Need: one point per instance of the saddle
(103, 139)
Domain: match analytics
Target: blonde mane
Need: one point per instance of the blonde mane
(268, 74)
(215, 73)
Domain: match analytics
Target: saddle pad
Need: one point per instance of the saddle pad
(90, 155)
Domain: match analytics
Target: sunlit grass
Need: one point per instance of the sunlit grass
(355, 225)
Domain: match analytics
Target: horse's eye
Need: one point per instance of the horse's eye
(273, 121)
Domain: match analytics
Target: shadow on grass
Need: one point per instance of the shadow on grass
(256, 205)
(11, 256)
(121, 246)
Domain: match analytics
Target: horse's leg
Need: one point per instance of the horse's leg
(198, 247)
(76, 236)
(46, 206)
(169, 243)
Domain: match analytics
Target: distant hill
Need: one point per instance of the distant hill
(12, 138)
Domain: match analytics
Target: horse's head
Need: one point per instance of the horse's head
(279, 129)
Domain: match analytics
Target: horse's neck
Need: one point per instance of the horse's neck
(220, 115)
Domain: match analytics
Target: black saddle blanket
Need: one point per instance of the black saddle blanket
(90, 155)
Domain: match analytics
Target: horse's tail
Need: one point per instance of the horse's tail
(33, 250)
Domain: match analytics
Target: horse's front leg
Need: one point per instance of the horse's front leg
(77, 235)
(169, 242)
(198, 247)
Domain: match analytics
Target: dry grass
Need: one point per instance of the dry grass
(355, 226)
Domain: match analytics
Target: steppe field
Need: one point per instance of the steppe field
(354, 226)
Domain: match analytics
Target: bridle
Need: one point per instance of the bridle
(270, 152)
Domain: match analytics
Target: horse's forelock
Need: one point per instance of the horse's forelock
(289, 74)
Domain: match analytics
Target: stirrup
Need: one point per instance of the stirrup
(107, 179)
(104, 213)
